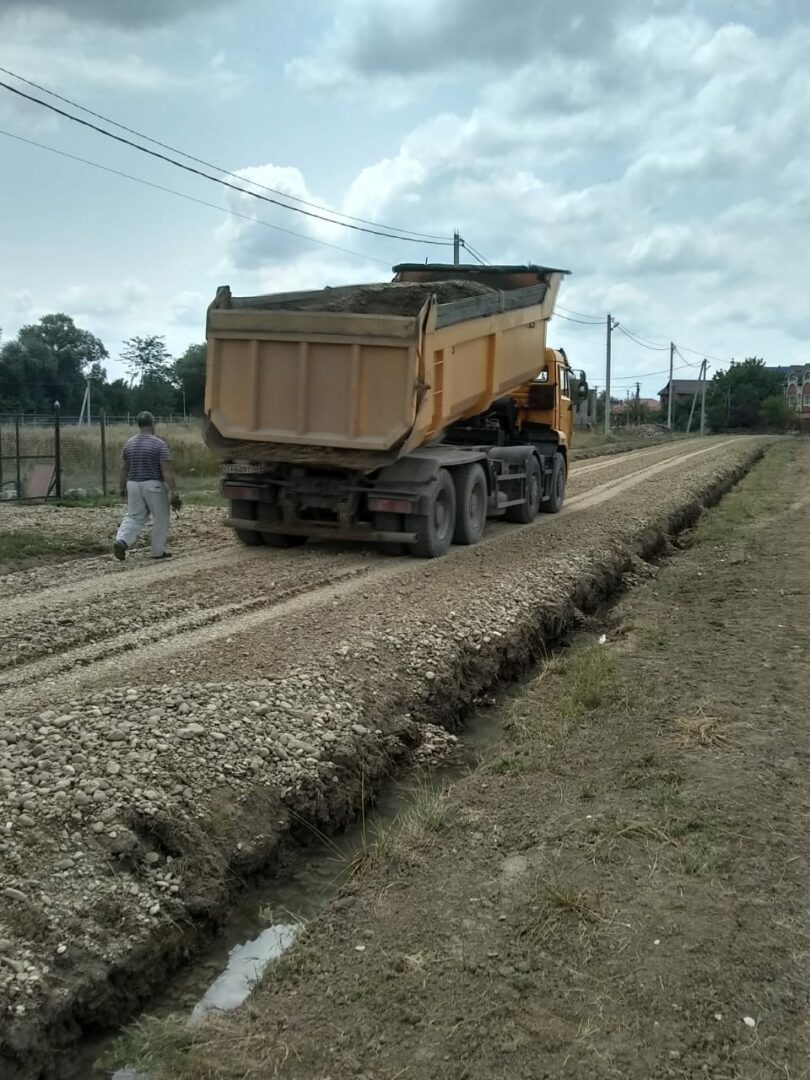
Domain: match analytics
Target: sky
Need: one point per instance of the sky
(658, 150)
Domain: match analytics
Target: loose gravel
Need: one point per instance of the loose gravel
(125, 810)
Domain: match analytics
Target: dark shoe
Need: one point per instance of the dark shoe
(165, 555)
(120, 550)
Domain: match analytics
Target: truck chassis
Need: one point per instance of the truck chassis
(422, 503)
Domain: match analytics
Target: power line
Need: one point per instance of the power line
(475, 254)
(217, 168)
(686, 362)
(705, 355)
(649, 374)
(596, 320)
(568, 318)
(191, 198)
(217, 179)
(638, 341)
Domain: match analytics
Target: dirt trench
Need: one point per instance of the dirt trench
(99, 990)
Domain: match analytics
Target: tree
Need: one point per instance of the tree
(734, 398)
(189, 374)
(149, 366)
(776, 413)
(146, 357)
(48, 361)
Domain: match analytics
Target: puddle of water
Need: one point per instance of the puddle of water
(271, 912)
(245, 966)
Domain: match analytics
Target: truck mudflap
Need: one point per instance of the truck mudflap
(323, 531)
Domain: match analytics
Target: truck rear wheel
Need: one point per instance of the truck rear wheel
(553, 505)
(246, 510)
(471, 504)
(434, 530)
(524, 513)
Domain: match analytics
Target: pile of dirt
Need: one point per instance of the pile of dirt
(390, 298)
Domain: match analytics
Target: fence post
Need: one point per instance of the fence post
(103, 426)
(1, 455)
(57, 447)
(17, 453)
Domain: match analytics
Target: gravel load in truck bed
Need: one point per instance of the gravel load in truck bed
(390, 298)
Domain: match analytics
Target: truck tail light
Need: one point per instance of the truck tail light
(390, 506)
(240, 491)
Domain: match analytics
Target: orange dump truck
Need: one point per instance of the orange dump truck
(404, 413)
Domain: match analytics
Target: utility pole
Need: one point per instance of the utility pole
(610, 327)
(701, 387)
(669, 386)
(456, 248)
(703, 399)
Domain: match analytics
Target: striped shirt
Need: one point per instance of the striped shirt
(142, 454)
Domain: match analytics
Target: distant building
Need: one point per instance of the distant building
(797, 389)
(683, 390)
(796, 380)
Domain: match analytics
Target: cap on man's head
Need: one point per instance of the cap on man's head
(145, 419)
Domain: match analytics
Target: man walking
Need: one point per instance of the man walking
(147, 479)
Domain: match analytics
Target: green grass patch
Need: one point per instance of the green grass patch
(509, 765)
(651, 638)
(570, 689)
(761, 495)
(16, 546)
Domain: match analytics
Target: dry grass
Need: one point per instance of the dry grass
(555, 905)
(701, 730)
(402, 841)
(172, 1048)
(81, 451)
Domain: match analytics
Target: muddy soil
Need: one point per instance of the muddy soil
(146, 766)
(621, 891)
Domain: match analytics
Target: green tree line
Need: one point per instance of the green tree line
(55, 360)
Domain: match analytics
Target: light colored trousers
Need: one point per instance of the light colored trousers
(146, 497)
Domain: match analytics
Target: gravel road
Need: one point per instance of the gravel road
(162, 724)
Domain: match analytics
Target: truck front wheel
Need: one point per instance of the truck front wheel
(553, 505)
(524, 513)
(434, 530)
(245, 509)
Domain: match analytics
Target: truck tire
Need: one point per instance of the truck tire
(524, 513)
(471, 503)
(385, 521)
(246, 509)
(434, 530)
(270, 512)
(554, 504)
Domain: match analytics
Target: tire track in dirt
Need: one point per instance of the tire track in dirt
(108, 597)
(180, 630)
(610, 461)
(100, 663)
